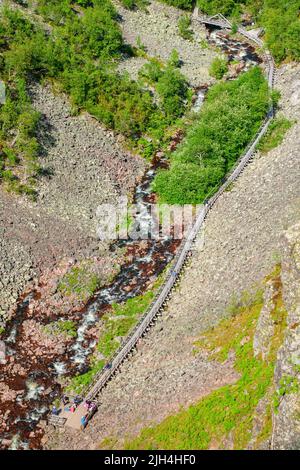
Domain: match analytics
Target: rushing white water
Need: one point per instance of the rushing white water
(17, 444)
(34, 390)
(236, 50)
(36, 414)
(81, 352)
(199, 101)
(13, 335)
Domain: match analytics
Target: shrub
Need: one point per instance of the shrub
(172, 89)
(229, 119)
(277, 129)
(218, 68)
(184, 29)
(174, 59)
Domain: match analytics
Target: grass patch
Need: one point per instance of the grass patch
(275, 134)
(230, 409)
(229, 119)
(65, 327)
(121, 319)
(287, 384)
(118, 322)
(79, 383)
(266, 430)
(218, 68)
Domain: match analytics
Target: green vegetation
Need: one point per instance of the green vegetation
(66, 327)
(227, 7)
(266, 430)
(184, 27)
(229, 119)
(184, 4)
(170, 85)
(172, 91)
(174, 59)
(288, 384)
(80, 382)
(276, 132)
(133, 4)
(87, 48)
(279, 18)
(218, 68)
(282, 24)
(204, 44)
(80, 52)
(80, 281)
(118, 322)
(234, 28)
(19, 147)
(230, 409)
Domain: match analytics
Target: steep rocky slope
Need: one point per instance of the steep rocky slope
(86, 166)
(242, 244)
(156, 28)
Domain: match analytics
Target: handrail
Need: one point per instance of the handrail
(103, 376)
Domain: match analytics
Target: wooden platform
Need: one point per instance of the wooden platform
(73, 420)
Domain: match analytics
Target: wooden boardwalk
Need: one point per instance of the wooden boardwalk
(186, 247)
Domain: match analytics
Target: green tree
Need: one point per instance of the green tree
(218, 68)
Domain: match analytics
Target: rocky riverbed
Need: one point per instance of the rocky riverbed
(50, 240)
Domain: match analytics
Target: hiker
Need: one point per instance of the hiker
(65, 400)
(77, 400)
(55, 411)
(73, 408)
(92, 406)
(83, 421)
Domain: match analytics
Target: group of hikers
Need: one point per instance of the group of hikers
(91, 408)
(72, 404)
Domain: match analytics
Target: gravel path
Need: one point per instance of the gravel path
(242, 242)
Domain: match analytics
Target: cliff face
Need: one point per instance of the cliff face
(286, 421)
